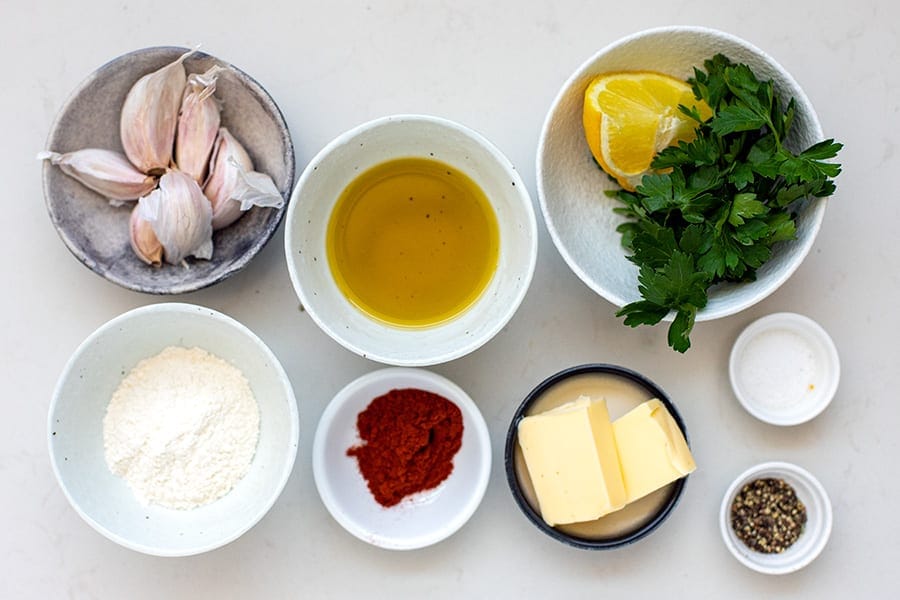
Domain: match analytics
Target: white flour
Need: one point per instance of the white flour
(181, 428)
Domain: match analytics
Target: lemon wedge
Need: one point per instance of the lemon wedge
(630, 117)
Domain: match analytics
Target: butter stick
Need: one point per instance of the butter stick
(571, 457)
(652, 449)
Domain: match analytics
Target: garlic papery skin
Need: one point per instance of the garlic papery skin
(106, 172)
(181, 217)
(198, 124)
(143, 240)
(150, 116)
(255, 189)
(233, 186)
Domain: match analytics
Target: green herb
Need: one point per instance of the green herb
(717, 205)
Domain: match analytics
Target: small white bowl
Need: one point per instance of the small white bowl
(815, 534)
(75, 430)
(419, 520)
(784, 369)
(580, 217)
(375, 142)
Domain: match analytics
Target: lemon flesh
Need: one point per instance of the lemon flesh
(630, 117)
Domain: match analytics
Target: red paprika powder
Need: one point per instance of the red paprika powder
(410, 437)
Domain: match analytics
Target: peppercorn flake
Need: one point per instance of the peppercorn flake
(767, 516)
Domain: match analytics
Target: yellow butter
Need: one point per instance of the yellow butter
(571, 457)
(652, 449)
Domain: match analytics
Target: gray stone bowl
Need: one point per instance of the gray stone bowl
(97, 233)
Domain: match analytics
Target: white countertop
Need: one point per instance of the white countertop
(494, 66)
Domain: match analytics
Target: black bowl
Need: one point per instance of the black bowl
(623, 389)
(97, 233)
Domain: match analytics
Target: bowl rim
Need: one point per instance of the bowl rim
(259, 243)
(472, 418)
(809, 330)
(817, 205)
(186, 308)
(773, 468)
(334, 332)
(533, 515)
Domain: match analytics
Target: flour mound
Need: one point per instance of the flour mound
(181, 428)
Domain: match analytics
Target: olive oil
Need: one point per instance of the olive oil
(413, 242)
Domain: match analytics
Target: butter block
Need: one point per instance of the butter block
(571, 457)
(652, 449)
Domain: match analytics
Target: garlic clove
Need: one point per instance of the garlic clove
(225, 213)
(150, 115)
(181, 217)
(106, 172)
(143, 240)
(198, 124)
(222, 178)
(233, 186)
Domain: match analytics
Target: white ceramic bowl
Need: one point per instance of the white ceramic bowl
(784, 369)
(419, 520)
(571, 186)
(75, 430)
(369, 144)
(815, 534)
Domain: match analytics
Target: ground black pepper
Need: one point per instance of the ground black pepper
(767, 515)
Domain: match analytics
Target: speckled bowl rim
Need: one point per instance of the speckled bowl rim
(534, 516)
(272, 223)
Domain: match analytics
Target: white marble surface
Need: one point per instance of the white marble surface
(494, 66)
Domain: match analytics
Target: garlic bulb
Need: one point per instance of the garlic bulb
(181, 217)
(233, 186)
(198, 124)
(150, 115)
(143, 239)
(106, 172)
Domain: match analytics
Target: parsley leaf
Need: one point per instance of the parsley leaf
(715, 206)
(675, 284)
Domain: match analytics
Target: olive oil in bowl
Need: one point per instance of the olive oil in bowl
(413, 242)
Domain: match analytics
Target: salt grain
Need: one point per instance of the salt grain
(779, 369)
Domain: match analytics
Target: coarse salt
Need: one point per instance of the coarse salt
(181, 428)
(779, 369)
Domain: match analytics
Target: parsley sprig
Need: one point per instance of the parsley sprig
(715, 206)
